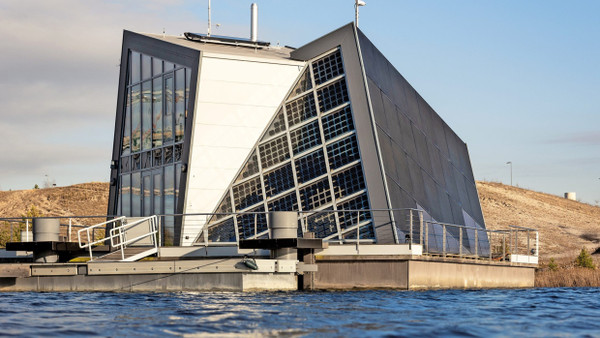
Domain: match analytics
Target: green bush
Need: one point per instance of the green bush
(552, 265)
(585, 260)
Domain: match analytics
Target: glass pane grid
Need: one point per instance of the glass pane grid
(301, 109)
(222, 232)
(305, 137)
(248, 224)
(274, 152)
(332, 95)
(287, 202)
(310, 166)
(343, 152)
(315, 195)
(278, 180)
(348, 181)
(328, 67)
(337, 123)
(247, 193)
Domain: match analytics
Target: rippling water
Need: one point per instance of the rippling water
(526, 312)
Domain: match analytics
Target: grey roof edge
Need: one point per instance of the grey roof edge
(320, 45)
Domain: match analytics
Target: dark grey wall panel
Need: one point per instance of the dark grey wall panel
(417, 181)
(422, 151)
(406, 139)
(451, 187)
(432, 202)
(462, 190)
(439, 137)
(387, 153)
(436, 165)
(457, 211)
(404, 179)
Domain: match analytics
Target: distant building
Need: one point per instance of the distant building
(222, 125)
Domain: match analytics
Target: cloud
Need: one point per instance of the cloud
(591, 138)
(58, 89)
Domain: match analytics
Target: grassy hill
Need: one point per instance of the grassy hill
(565, 226)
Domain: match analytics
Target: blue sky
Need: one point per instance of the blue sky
(517, 80)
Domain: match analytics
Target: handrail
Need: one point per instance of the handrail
(122, 234)
(93, 227)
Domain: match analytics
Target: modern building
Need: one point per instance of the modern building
(223, 126)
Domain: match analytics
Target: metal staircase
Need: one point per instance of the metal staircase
(131, 239)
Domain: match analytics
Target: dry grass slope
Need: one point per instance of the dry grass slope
(565, 226)
(88, 199)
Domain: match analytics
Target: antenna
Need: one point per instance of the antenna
(254, 22)
(208, 33)
(357, 3)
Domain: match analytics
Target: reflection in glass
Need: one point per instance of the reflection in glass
(188, 81)
(169, 197)
(146, 67)
(179, 104)
(127, 126)
(135, 195)
(146, 115)
(156, 66)
(146, 186)
(157, 193)
(168, 112)
(125, 195)
(135, 67)
(136, 118)
(155, 112)
(157, 105)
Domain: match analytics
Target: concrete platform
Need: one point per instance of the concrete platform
(160, 276)
(340, 268)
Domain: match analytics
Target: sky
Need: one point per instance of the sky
(517, 80)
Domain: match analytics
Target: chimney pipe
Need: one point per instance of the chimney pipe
(254, 22)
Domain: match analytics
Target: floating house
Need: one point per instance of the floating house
(321, 164)
(219, 125)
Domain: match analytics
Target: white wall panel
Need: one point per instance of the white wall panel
(235, 100)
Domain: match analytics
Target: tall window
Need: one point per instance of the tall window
(152, 140)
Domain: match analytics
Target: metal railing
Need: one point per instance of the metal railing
(91, 229)
(120, 233)
(350, 226)
(19, 228)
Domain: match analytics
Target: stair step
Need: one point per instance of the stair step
(128, 252)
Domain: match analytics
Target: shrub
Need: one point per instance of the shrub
(552, 265)
(585, 260)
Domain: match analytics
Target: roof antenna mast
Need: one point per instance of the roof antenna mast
(357, 3)
(208, 33)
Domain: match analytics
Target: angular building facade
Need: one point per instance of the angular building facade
(228, 127)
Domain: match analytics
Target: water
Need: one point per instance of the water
(526, 312)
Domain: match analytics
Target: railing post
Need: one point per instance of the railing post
(357, 232)
(528, 249)
(255, 225)
(410, 234)
(476, 243)
(537, 244)
(444, 239)
(420, 228)
(516, 242)
(27, 230)
(427, 236)
(503, 246)
(460, 242)
(490, 243)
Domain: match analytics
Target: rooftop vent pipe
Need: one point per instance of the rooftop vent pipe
(254, 22)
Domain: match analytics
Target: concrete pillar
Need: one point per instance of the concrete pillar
(46, 230)
(284, 224)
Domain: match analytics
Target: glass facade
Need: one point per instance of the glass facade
(152, 139)
(307, 159)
